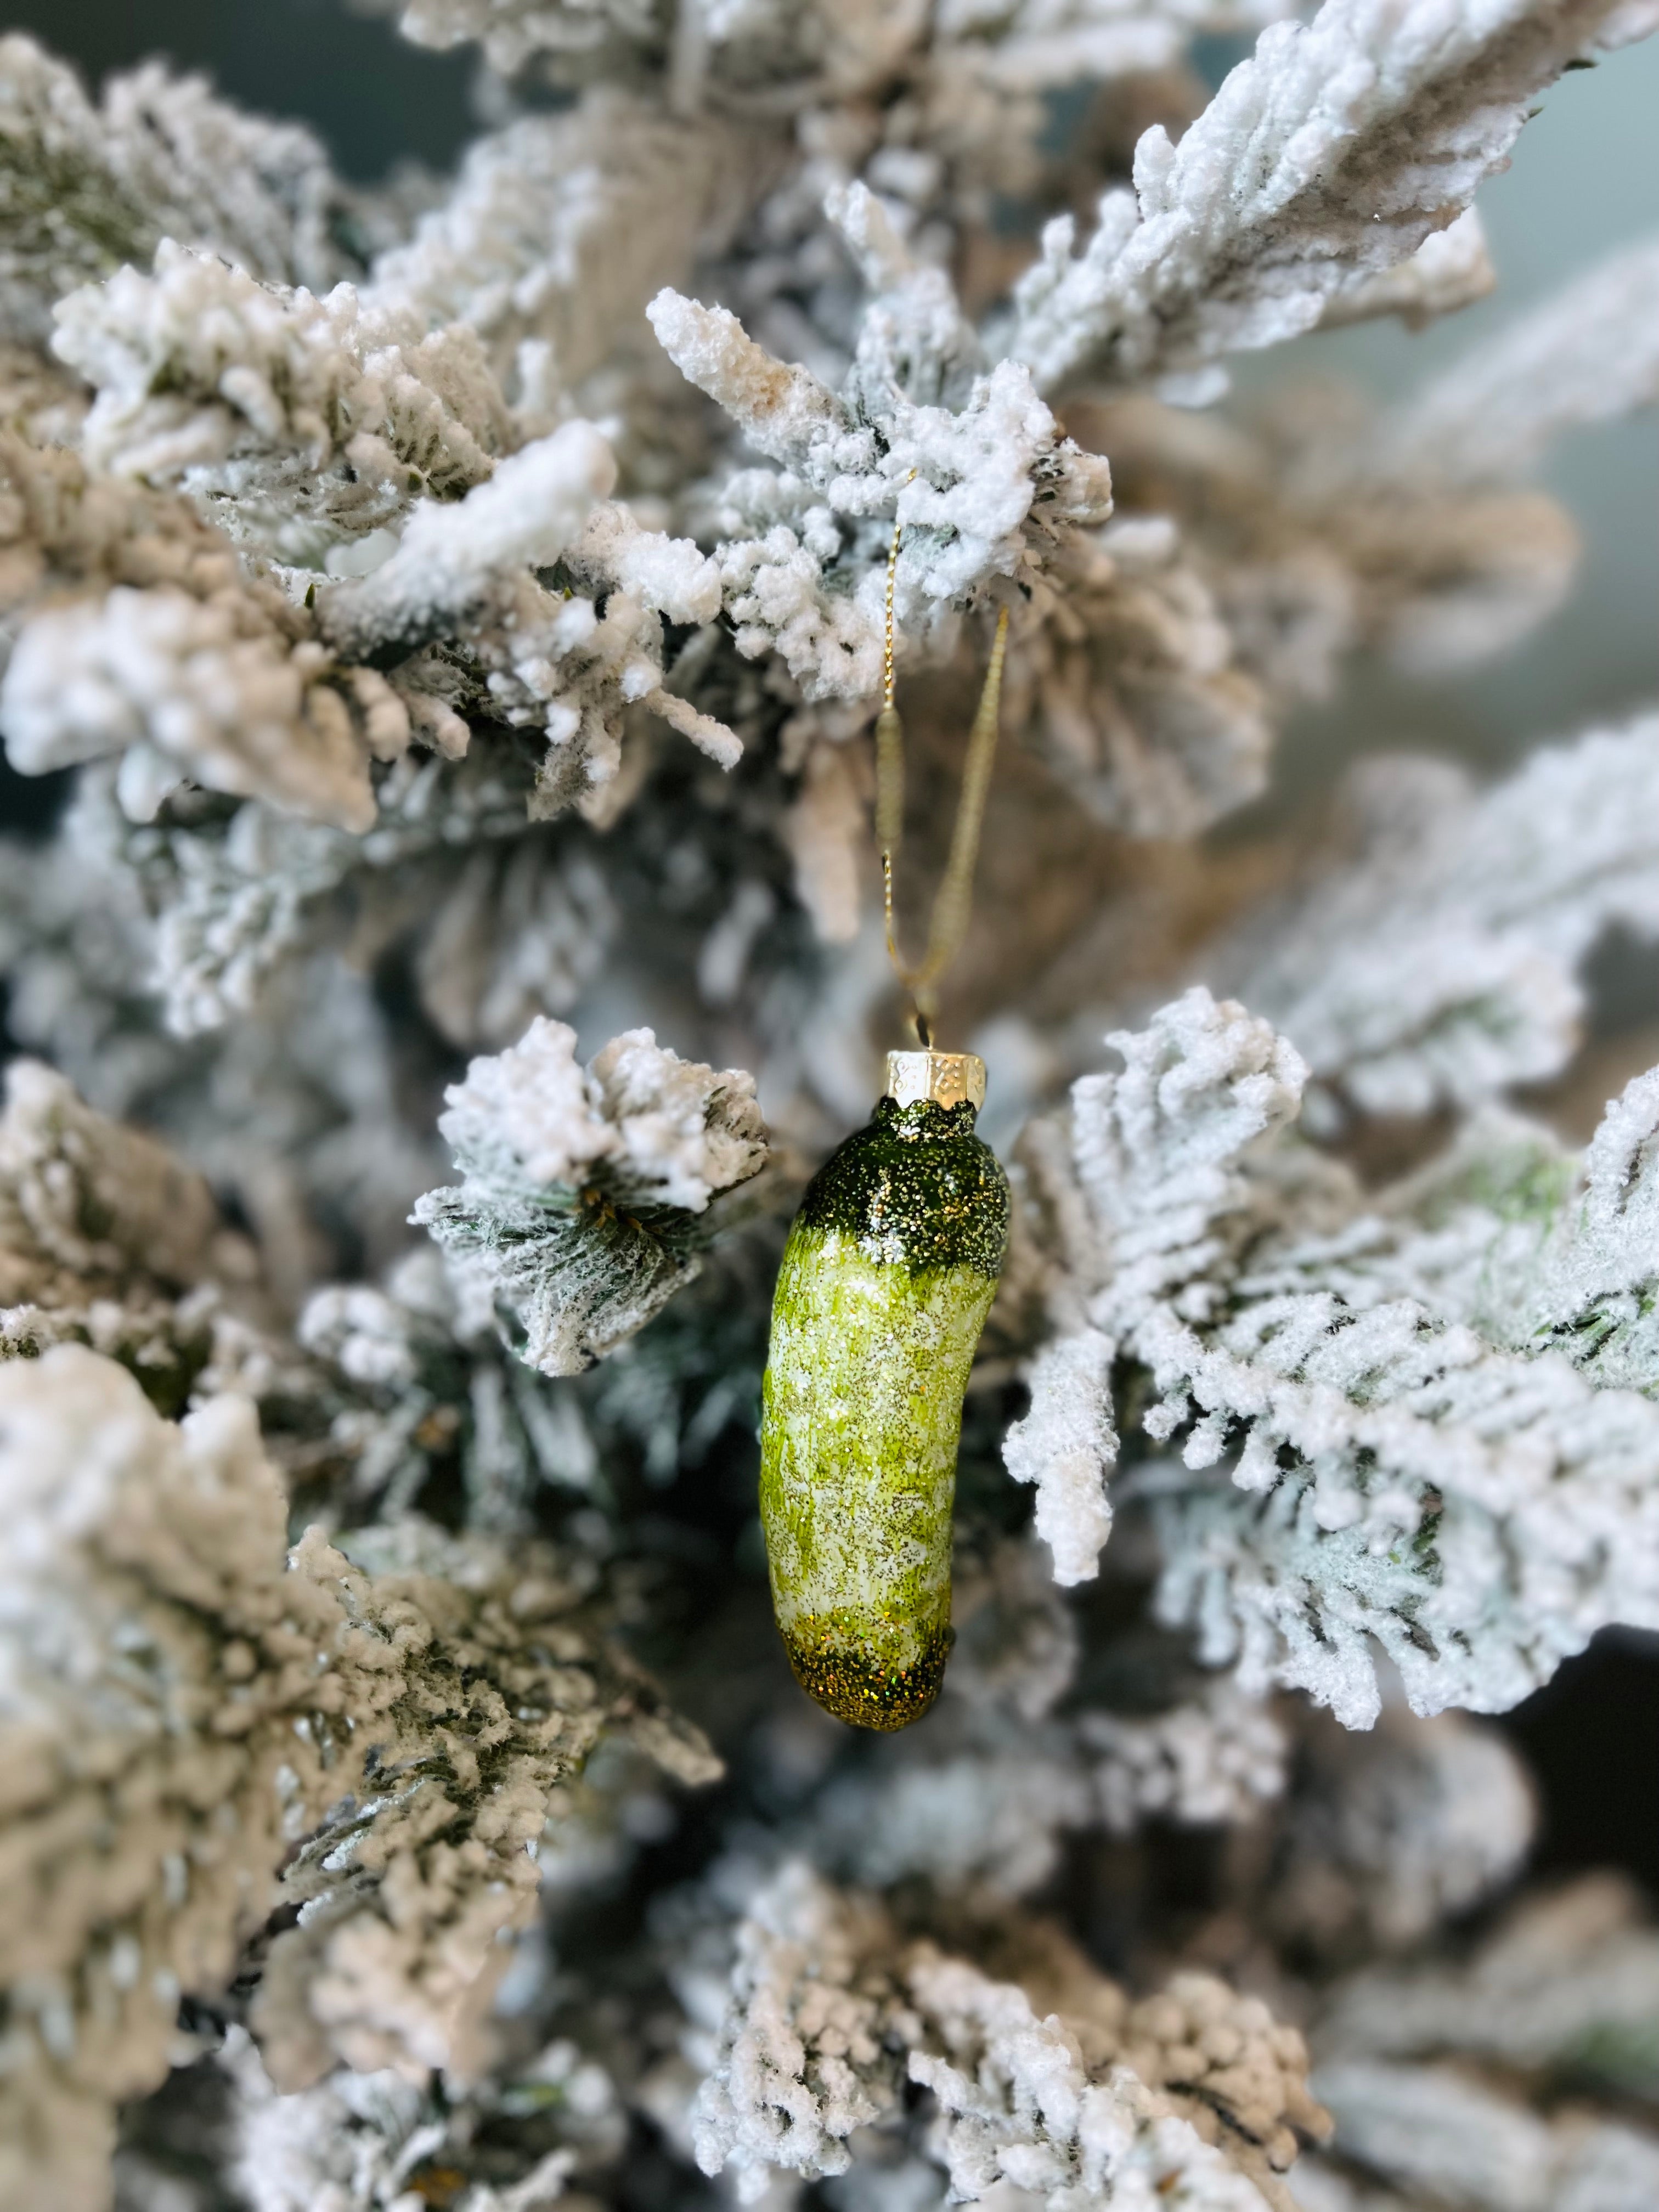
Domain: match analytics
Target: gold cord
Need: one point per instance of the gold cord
(953, 902)
(892, 578)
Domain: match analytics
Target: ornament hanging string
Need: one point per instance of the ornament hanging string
(953, 902)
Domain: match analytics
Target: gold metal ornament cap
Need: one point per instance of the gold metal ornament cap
(946, 1078)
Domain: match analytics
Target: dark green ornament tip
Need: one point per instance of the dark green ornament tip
(851, 1682)
(915, 1188)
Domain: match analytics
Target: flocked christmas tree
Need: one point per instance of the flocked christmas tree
(465, 606)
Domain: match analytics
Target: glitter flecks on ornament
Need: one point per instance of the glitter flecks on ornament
(888, 1273)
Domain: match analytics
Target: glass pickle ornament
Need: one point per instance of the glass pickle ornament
(888, 1273)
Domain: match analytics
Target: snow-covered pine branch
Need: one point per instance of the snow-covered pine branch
(1439, 961)
(186, 667)
(1355, 136)
(168, 1676)
(1423, 1410)
(1420, 2064)
(559, 227)
(83, 189)
(1193, 2095)
(1589, 354)
(579, 1215)
(302, 423)
(962, 455)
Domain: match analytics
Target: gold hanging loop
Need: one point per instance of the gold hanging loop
(889, 737)
(953, 902)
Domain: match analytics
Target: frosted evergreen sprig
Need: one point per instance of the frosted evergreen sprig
(794, 49)
(83, 190)
(1193, 2096)
(303, 423)
(961, 454)
(581, 1211)
(1399, 111)
(1405, 1399)
(1422, 2061)
(1590, 350)
(352, 2142)
(1443, 962)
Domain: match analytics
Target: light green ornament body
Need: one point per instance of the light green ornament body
(888, 1273)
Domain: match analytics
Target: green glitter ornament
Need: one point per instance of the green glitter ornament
(888, 1273)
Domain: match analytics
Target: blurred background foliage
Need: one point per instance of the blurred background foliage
(1584, 180)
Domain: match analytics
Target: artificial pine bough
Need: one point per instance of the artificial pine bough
(466, 608)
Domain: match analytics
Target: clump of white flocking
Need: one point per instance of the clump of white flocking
(670, 1129)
